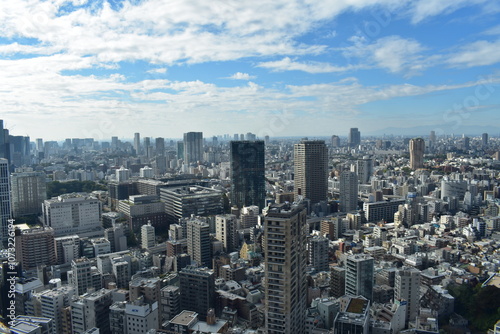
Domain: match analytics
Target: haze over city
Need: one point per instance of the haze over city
(283, 68)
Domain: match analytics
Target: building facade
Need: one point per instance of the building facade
(311, 170)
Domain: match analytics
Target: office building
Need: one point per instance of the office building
(311, 170)
(50, 304)
(407, 287)
(140, 210)
(354, 316)
(193, 147)
(191, 200)
(247, 173)
(417, 148)
(249, 216)
(335, 141)
(69, 214)
(35, 247)
(91, 310)
(364, 169)
(318, 253)
(137, 143)
(146, 288)
(141, 317)
(5, 203)
(32, 325)
(199, 245)
(285, 241)
(359, 276)
(28, 192)
(226, 232)
(348, 191)
(382, 211)
(197, 288)
(170, 304)
(337, 282)
(148, 236)
(67, 248)
(83, 276)
(484, 139)
(354, 138)
(160, 146)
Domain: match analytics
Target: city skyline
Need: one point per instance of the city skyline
(100, 69)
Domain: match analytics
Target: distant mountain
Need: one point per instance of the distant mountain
(440, 129)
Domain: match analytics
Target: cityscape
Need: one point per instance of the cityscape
(249, 167)
(241, 234)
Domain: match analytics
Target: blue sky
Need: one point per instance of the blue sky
(281, 68)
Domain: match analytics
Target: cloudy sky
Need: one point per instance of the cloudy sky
(86, 68)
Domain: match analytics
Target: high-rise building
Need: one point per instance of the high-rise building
(364, 169)
(148, 236)
(170, 304)
(141, 317)
(198, 241)
(190, 200)
(197, 287)
(160, 146)
(335, 141)
(35, 247)
(50, 304)
(318, 253)
(146, 288)
(248, 173)
(5, 202)
(28, 192)
(359, 276)
(3, 142)
(91, 310)
(285, 242)
(70, 214)
(407, 287)
(417, 148)
(311, 170)
(82, 277)
(337, 282)
(354, 137)
(226, 232)
(193, 147)
(137, 143)
(484, 139)
(348, 191)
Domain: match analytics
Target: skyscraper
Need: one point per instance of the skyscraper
(193, 147)
(197, 287)
(348, 191)
(359, 276)
(28, 192)
(137, 143)
(285, 239)
(198, 241)
(364, 169)
(354, 137)
(160, 146)
(4, 199)
(417, 148)
(248, 173)
(311, 170)
(407, 287)
(318, 253)
(484, 139)
(226, 232)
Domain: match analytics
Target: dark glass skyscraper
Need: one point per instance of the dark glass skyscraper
(354, 137)
(248, 173)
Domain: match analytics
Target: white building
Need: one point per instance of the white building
(76, 213)
(147, 236)
(225, 231)
(141, 317)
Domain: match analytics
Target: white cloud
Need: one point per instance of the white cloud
(423, 9)
(392, 53)
(287, 64)
(479, 53)
(241, 76)
(161, 70)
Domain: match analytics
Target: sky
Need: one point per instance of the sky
(82, 68)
